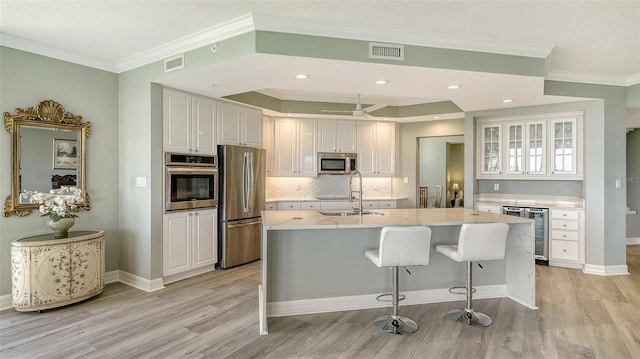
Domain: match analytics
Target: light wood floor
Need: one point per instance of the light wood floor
(215, 316)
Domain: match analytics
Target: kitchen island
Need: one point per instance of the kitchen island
(314, 263)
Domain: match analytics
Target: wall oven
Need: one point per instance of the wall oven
(190, 181)
(330, 163)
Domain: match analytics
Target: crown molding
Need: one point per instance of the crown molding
(596, 79)
(211, 35)
(48, 51)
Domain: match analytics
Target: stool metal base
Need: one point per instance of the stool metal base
(470, 317)
(396, 324)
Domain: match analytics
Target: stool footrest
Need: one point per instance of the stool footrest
(460, 290)
(380, 297)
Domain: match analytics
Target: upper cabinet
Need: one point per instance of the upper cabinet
(337, 136)
(295, 147)
(188, 123)
(267, 140)
(533, 147)
(376, 148)
(238, 125)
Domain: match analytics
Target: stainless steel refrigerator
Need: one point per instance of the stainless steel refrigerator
(241, 200)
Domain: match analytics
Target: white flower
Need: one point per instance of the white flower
(56, 204)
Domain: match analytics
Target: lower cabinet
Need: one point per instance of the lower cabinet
(189, 241)
(489, 208)
(48, 273)
(566, 238)
(328, 205)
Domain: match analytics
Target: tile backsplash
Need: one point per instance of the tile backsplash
(326, 185)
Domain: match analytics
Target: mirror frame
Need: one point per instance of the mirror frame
(49, 114)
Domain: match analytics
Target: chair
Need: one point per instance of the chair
(438, 202)
(477, 242)
(423, 197)
(399, 247)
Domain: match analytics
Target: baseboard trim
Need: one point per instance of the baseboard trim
(633, 241)
(112, 276)
(338, 304)
(135, 281)
(606, 270)
(5, 302)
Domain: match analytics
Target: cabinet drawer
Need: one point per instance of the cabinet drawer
(270, 206)
(289, 206)
(564, 225)
(489, 208)
(564, 250)
(562, 214)
(311, 206)
(564, 235)
(387, 204)
(337, 205)
(370, 204)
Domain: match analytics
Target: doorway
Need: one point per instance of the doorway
(441, 163)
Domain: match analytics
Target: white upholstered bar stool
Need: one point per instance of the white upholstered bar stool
(400, 247)
(477, 242)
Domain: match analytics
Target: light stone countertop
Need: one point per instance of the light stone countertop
(521, 200)
(295, 220)
(337, 198)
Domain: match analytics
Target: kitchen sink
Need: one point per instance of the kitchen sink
(349, 213)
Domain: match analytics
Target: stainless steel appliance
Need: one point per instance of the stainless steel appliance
(540, 218)
(330, 163)
(242, 187)
(190, 181)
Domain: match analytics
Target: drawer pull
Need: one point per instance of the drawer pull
(564, 250)
(564, 235)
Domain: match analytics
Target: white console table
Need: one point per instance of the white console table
(48, 273)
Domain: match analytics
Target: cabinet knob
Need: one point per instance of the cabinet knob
(564, 250)
(564, 235)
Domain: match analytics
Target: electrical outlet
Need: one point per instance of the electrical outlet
(297, 186)
(496, 186)
(618, 183)
(141, 181)
(406, 180)
(375, 186)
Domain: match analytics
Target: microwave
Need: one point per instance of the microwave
(330, 163)
(190, 182)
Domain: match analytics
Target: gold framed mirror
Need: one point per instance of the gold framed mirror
(48, 151)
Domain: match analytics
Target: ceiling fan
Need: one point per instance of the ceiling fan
(359, 111)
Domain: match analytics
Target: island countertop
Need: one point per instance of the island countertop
(293, 220)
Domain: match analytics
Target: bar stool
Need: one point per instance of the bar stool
(400, 247)
(477, 242)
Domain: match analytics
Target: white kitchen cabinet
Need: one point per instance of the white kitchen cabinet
(337, 136)
(310, 205)
(489, 208)
(387, 204)
(525, 148)
(563, 136)
(238, 125)
(566, 237)
(271, 206)
(188, 123)
(289, 206)
(295, 147)
(267, 140)
(189, 241)
(490, 148)
(376, 148)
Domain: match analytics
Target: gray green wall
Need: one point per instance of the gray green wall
(28, 79)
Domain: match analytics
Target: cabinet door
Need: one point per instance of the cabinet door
(176, 243)
(251, 134)
(327, 132)
(366, 148)
(228, 127)
(268, 145)
(346, 136)
(514, 138)
(490, 152)
(536, 148)
(285, 147)
(563, 146)
(385, 149)
(87, 267)
(204, 117)
(307, 148)
(176, 119)
(205, 243)
(50, 279)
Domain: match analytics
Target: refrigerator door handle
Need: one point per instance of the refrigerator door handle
(251, 182)
(245, 183)
(244, 224)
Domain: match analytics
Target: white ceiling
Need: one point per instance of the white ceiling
(595, 41)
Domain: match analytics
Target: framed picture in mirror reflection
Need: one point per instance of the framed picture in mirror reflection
(65, 154)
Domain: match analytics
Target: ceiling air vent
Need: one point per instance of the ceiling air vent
(386, 51)
(173, 63)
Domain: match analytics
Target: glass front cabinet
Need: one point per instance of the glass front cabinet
(533, 147)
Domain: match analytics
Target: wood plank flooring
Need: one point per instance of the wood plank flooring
(214, 315)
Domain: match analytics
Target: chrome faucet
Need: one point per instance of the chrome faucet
(351, 197)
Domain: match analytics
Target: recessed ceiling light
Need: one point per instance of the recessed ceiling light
(453, 87)
(302, 76)
(437, 117)
(507, 100)
(381, 82)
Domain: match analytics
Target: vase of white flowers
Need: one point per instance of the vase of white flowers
(59, 205)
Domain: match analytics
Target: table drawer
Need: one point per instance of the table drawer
(564, 235)
(564, 224)
(565, 250)
(311, 206)
(562, 214)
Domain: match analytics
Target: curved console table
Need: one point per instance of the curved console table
(48, 273)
